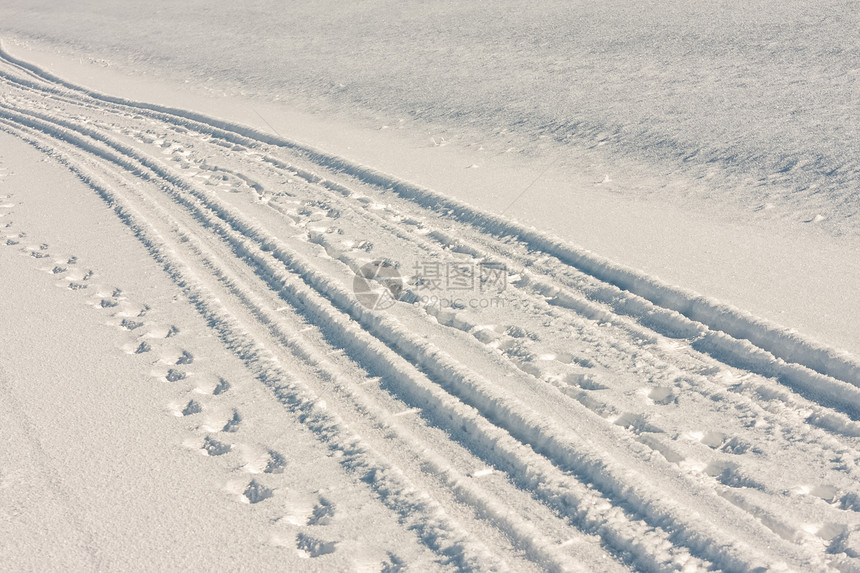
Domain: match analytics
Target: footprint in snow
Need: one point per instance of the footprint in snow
(520, 332)
(193, 407)
(731, 475)
(584, 380)
(827, 493)
(322, 513)
(394, 564)
(232, 424)
(305, 509)
(486, 334)
(310, 546)
(213, 447)
(185, 358)
(850, 502)
(129, 324)
(637, 423)
(130, 310)
(662, 395)
(720, 441)
(137, 346)
(174, 375)
(158, 331)
(210, 384)
(265, 461)
(847, 542)
(737, 447)
(256, 492)
(170, 355)
(658, 446)
(221, 387)
(276, 464)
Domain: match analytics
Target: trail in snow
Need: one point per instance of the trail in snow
(521, 405)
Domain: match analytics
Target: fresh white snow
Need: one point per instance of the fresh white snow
(625, 338)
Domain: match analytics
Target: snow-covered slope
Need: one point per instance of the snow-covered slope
(756, 98)
(712, 146)
(533, 406)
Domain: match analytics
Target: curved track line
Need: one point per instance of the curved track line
(781, 342)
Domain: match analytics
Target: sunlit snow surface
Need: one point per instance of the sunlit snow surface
(757, 98)
(208, 361)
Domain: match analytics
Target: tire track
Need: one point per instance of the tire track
(524, 426)
(242, 250)
(418, 510)
(494, 418)
(778, 341)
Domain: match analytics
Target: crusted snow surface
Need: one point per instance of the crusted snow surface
(328, 367)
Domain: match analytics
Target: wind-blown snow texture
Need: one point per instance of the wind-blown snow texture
(756, 98)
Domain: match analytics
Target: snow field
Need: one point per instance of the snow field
(633, 423)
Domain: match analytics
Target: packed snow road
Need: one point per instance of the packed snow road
(512, 402)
